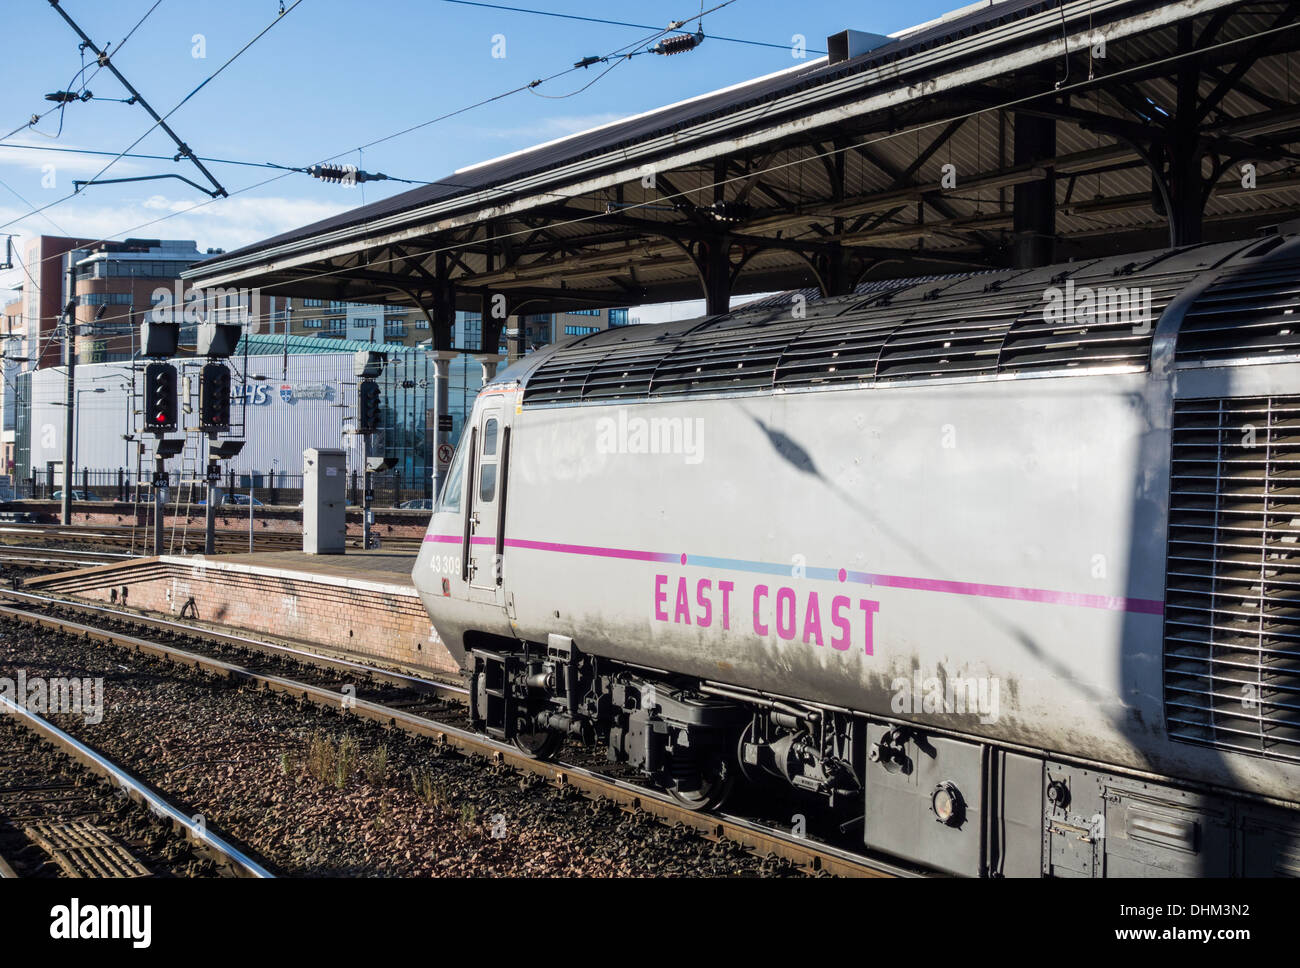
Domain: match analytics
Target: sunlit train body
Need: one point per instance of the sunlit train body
(1001, 565)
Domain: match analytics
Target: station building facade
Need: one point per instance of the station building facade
(288, 394)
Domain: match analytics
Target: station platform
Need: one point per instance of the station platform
(361, 605)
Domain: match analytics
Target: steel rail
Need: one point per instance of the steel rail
(811, 856)
(46, 550)
(241, 863)
(49, 563)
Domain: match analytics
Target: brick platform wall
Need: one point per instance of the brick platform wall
(368, 621)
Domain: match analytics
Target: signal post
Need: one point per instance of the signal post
(158, 342)
(217, 342)
(367, 365)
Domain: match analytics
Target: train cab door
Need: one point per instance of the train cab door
(486, 518)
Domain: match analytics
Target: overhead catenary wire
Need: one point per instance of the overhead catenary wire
(161, 121)
(617, 23)
(516, 90)
(204, 158)
(450, 114)
(35, 119)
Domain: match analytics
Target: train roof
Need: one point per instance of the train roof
(1085, 317)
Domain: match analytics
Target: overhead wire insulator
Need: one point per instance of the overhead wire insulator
(335, 174)
(67, 97)
(343, 174)
(678, 44)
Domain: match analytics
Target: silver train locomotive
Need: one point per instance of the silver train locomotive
(1004, 567)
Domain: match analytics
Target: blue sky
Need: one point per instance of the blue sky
(333, 74)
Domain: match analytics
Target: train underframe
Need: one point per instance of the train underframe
(940, 801)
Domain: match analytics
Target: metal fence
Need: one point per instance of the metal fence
(273, 488)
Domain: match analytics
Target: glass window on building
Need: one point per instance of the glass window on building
(618, 317)
(584, 312)
(580, 330)
(311, 323)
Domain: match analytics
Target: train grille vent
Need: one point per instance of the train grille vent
(1249, 315)
(920, 333)
(1232, 596)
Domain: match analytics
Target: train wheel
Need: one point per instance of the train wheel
(539, 745)
(702, 789)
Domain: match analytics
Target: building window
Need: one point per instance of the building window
(394, 330)
(313, 302)
(583, 312)
(580, 330)
(311, 323)
(106, 299)
(537, 318)
(421, 324)
(143, 269)
(618, 317)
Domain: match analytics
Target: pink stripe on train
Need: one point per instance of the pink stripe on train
(1043, 596)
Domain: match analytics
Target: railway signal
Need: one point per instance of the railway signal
(217, 340)
(159, 337)
(214, 397)
(368, 407)
(160, 398)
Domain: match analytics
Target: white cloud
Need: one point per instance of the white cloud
(67, 166)
(226, 223)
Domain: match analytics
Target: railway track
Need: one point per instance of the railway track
(68, 811)
(37, 558)
(140, 542)
(423, 708)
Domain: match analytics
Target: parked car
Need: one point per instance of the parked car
(76, 496)
(234, 500)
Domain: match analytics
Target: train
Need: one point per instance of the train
(1001, 570)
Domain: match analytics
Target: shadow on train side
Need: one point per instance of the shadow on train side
(1171, 828)
(793, 453)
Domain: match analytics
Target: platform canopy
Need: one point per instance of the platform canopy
(1071, 129)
